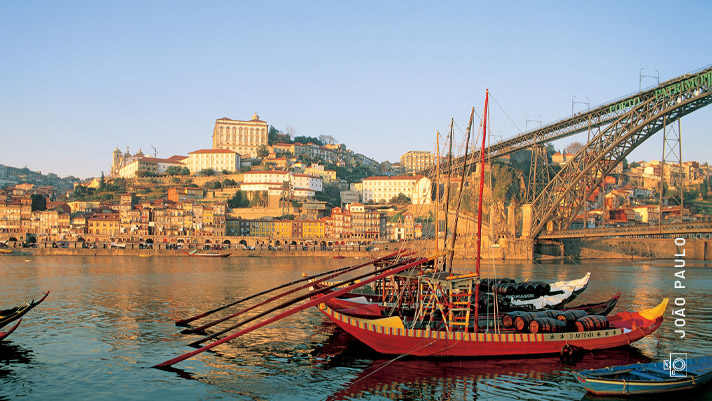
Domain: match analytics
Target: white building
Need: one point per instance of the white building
(383, 189)
(151, 165)
(301, 185)
(216, 159)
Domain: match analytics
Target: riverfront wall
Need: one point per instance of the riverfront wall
(628, 248)
(520, 249)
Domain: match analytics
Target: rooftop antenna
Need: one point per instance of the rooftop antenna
(155, 152)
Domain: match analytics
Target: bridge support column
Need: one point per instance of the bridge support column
(526, 220)
(512, 220)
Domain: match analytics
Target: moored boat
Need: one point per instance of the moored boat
(207, 254)
(390, 336)
(11, 314)
(648, 378)
(4, 334)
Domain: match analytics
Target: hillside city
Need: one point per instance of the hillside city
(258, 186)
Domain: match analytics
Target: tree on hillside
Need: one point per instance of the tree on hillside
(239, 200)
(326, 139)
(573, 147)
(208, 172)
(262, 151)
(276, 136)
(177, 170)
(308, 139)
(400, 199)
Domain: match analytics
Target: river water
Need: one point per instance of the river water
(109, 319)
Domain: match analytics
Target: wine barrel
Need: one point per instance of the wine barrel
(509, 317)
(546, 325)
(521, 322)
(571, 316)
(592, 322)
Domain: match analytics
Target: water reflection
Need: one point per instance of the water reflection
(107, 317)
(436, 379)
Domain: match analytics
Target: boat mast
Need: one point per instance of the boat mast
(459, 195)
(482, 184)
(479, 212)
(437, 197)
(447, 194)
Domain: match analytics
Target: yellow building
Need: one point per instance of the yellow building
(282, 229)
(104, 224)
(313, 229)
(243, 137)
(216, 159)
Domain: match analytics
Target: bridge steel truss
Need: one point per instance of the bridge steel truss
(561, 200)
(617, 128)
(584, 121)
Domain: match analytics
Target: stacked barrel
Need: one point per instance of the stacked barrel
(554, 321)
(503, 288)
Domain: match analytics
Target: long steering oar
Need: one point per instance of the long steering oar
(278, 296)
(290, 312)
(185, 322)
(294, 301)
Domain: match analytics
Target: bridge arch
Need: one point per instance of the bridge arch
(561, 200)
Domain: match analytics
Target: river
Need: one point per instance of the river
(107, 320)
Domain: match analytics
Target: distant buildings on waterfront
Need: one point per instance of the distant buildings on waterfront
(27, 215)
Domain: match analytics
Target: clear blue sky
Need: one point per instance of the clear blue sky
(78, 79)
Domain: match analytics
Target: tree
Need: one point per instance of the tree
(177, 170)
(262, 151)
(239, 200)
(208, 172)
(400, 199)
(326, 139)
(634, 165)
(275, 136)
(308, 139)
(213, 185)
(102, 183)
(573, 147)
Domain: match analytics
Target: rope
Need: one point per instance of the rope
(17, 272)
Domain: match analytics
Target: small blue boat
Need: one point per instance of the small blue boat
(648, 378)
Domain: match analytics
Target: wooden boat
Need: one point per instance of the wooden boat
(5, 251)
(4, 334)
(647, 378)
(391, 336)
(11, 314)
(207, 254)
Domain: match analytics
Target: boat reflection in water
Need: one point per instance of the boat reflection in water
(543, 378)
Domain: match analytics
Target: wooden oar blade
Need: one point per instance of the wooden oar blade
(184, 322)
(282, 315)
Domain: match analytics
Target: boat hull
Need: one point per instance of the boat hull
(389, 336)
(658, 380)
(4, 334)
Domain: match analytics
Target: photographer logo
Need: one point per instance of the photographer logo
(677, 364)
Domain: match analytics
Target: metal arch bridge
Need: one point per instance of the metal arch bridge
(616, 129)
(689, 228)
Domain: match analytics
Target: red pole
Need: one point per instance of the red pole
(479, 213)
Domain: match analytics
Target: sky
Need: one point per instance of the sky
(80, 78)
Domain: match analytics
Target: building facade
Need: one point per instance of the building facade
(243, 137)
(416, 160)
(383, 189)
(216, 159)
